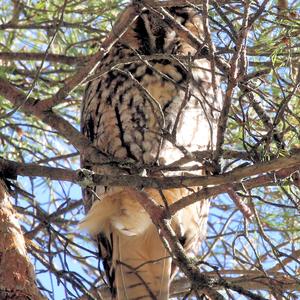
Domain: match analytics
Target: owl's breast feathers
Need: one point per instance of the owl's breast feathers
(127, 111)
(131, 112)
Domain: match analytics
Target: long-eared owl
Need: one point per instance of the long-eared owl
(154, 106)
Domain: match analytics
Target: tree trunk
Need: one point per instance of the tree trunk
(17, 279)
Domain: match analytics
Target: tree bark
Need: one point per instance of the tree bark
(17, 279)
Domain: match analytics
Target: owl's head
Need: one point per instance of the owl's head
(151, 34)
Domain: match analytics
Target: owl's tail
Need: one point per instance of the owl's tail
(142, 267)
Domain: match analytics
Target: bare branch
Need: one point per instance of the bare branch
(56, 58)
(12, 169)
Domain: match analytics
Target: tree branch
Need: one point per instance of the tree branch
(12, 169)
(56, 58)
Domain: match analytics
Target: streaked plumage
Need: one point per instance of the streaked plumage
(129, 113)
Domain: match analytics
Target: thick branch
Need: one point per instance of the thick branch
(69, 60)
(182, 181)
(12, 169)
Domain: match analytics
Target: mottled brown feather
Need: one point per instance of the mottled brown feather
(124, 118)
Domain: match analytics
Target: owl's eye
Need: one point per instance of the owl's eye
(180, 13)
(157, 25)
